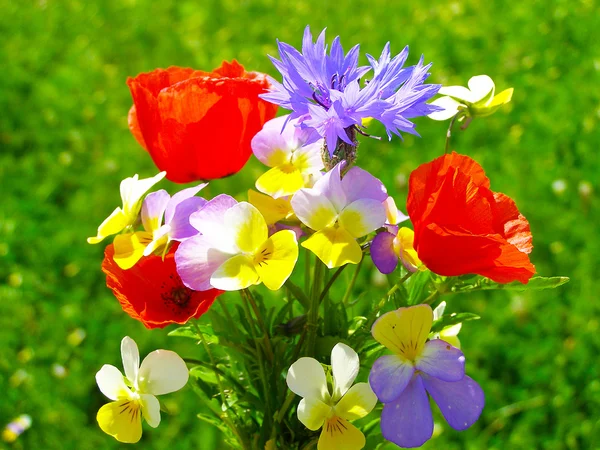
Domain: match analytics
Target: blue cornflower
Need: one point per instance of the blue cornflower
(325, 94)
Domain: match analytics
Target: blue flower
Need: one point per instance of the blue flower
(325, 94)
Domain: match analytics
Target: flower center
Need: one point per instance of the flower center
(131, 409)
(180, 295)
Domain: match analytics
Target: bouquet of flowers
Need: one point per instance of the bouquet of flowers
(280, 363)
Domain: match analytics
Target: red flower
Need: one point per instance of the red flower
(152, 292)
(462, 227)
(198, 125)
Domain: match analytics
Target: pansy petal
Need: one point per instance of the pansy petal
(313, 209)
(131, 359)
(450, 108)
(150, 409)
(114, 223)
(308, 159)
(357, 402)
(281, 180)
(502, 98)
(111, 382)
(330, 186)
(481, 86)
(405, 330)
(272, 146)
(389, 377)
(197, 260)
(339, 434)
(362, 216)
(334, 246)
(407, 421)
(439, 359)
(392, 214)
(276, 259)
(133, 189)
(153, 209)
(130, 247)
(382, 252)
(247, 225)
(121, 420)
(238, 272)
(184, 194)
(344, 365)
(273, 210)
(460, 402)
(162, 372)
(457, 92)
(451, 339)
(210, 222)
(360, 184)
(312, 412)
(306, 378)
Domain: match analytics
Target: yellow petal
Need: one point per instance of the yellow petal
(280, 181)
(276, 259)
(405, 330)
(122, 420)
(357, 402)
(502, 98)
(339, 434)
(236, 273)
(129, 248)
(312, 412)
(362, 216)
(113, 224)
(452, 340)
(334, 246)
(273, 210)
(247, 225)
(404, 248)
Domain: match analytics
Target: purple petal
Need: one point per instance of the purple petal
(212, 213)
(439, 359)
(389, 377)
(180, 222)
(359, 183)
(407, 422)
(180, 197)
(382, 252)
(196, 261)
(153, 209)
(330, 186)
(460, 402)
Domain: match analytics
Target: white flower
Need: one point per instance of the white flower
(161, 372)
(332, 410)
(450, 333)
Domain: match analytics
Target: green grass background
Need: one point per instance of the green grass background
(65, 146)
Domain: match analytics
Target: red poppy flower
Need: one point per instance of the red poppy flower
(152, 292)
(198, 125)
(462, 227)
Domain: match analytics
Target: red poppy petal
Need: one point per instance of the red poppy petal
(452, 253)
(134, 127)
(509, 221)
(152, 292)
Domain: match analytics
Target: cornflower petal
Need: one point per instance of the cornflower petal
(389, 377)
(407, 421)
(460, 402)
(439, 359)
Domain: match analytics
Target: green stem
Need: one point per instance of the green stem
(241, 389)
(313, 312)
(352, 282)
(261, 323)
(212, 359)
(330, 282)
(449, 133)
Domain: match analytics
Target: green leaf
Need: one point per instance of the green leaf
(297, 292)
(452, 319)
(535, 284)
(204, 373)
(417, 287)
(190, 332)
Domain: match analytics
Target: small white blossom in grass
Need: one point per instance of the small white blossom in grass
(448, 334)
(133, 395)
(332, 411)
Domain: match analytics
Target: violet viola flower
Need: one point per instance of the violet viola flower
(401, 381)
(157, 207)
(324, 92)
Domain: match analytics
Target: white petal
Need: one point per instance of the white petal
(438, 312)
(313, 208)
(450, 108)
(150, 409)
(111, 382)
(306, 378)
(133, 189)
(161, 372)
(480, 87)
(210, 222)
(330, 185)
(344, 365)
(457, 92)
(312, 412)
(131, 359)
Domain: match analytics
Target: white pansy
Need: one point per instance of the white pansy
(450, 333)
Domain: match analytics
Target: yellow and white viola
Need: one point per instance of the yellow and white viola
(449, 333)
(284, 147)
(333, 410)
(134, 395)
(234, 250)
(341, 210)
(132, 191)
(478, 100)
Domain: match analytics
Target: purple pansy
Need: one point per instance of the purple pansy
(325, 94)
(419, 367)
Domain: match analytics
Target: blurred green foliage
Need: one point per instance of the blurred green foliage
(65, 146)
